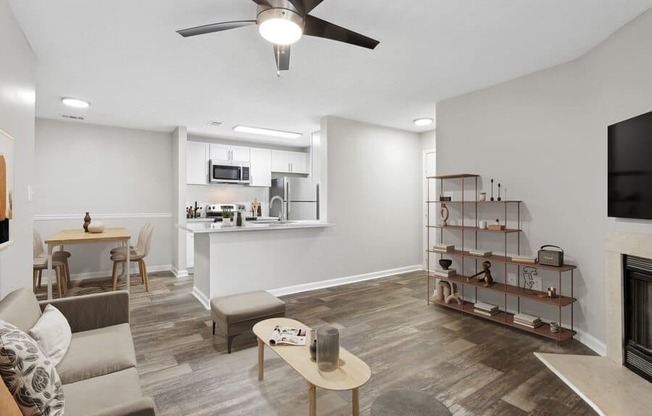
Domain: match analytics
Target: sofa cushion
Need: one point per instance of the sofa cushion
(94, 394)
(52, 334)
(97, 352)
(20, 308)
(29, 375)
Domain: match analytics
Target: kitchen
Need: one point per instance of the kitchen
(236, 188)
(369, 188)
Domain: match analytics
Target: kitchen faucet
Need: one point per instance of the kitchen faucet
(271, 202)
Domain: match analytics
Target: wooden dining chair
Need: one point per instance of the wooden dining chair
(40, 263)
(59, 255)
(136, 254)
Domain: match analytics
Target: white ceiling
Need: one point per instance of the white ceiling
(126, 58)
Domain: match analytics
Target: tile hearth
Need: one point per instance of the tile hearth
(603, 382)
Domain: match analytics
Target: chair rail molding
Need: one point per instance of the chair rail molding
(64, 217)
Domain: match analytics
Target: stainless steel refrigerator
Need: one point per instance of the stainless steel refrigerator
(300, 196)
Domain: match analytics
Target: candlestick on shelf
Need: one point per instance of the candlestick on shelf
(492, 190)
(498, 192)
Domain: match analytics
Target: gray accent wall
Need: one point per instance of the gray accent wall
(123, 177)
(17, 109)
(544, 138)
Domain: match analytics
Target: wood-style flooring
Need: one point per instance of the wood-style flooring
(473, 366)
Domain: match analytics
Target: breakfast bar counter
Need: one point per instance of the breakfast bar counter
(255, 256)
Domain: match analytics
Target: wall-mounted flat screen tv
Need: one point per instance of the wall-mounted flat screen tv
(629, 168)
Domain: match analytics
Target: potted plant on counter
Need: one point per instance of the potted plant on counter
(226, 217)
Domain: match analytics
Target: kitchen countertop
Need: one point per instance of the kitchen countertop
(205, 227)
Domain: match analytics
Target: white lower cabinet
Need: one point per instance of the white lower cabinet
(260, 167)
(190, 250)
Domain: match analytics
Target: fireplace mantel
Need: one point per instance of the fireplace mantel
(617, 245)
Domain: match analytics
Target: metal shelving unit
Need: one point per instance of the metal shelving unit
(519, 292)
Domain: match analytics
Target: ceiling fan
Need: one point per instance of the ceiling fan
(283, 22)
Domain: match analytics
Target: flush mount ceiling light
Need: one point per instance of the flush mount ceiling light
(75, 102)
(267, 132)
(280, 26)
(422, 121)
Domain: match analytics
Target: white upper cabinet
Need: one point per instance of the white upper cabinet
(196, 163)
(260, 171)
(289, 162)
(230, 153)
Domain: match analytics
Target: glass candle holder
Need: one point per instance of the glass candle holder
(328, 348)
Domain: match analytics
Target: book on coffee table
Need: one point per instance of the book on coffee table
(288, 336)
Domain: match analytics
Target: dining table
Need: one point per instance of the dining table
(80, 236)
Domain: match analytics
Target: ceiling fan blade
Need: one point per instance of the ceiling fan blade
(262, 2)
(323, 29)
(308, 5)
(214, 27)
(282, 57)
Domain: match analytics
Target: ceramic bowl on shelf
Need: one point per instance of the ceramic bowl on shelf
(445, 263)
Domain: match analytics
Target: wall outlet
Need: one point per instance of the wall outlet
(30, 193)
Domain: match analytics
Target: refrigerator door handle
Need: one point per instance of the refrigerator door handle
(317, 202)
(287, 202)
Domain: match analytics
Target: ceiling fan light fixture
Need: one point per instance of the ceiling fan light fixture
(267, 132)
(280, 26)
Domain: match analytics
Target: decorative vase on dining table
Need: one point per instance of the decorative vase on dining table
(87, 221)
(328, 348)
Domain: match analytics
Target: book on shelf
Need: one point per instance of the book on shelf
(481, 253)
(445, 273)
(488, 307)
(527, 325)
(526, 260)
(486, 313)
(443, 248)
(288, 336)
(523, 317)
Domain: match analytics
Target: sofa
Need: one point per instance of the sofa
(98, 372)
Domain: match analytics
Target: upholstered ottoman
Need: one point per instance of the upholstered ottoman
(235, 314)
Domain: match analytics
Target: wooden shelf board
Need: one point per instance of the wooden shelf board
(507, 319)
(470, 228)
(533, 295)
(470, 201)
(455, 176)
(506, 260)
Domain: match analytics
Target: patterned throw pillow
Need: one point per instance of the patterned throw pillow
(28, 374)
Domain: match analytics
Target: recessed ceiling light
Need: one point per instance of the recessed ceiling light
(75, 102)
(422, 122)
(267, 132)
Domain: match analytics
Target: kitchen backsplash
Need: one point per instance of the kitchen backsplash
(226, 194)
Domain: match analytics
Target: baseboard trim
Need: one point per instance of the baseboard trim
(179, 273)
(133, 268)
(592, 342)
(201, 297)
(289, 290)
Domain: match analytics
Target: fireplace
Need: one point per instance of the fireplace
(637, 297)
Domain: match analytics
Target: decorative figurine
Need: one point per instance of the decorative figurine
(498, 192)
(486, 272)
(492, 190)
(87, 221)
(443, 214)
(528, 277)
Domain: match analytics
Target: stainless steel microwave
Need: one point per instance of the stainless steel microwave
(221, 171)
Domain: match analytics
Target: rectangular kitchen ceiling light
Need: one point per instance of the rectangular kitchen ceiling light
(267, 132)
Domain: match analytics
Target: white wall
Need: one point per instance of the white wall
(374, 194)
(123, 177)
(17, 109)
(544, 137)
